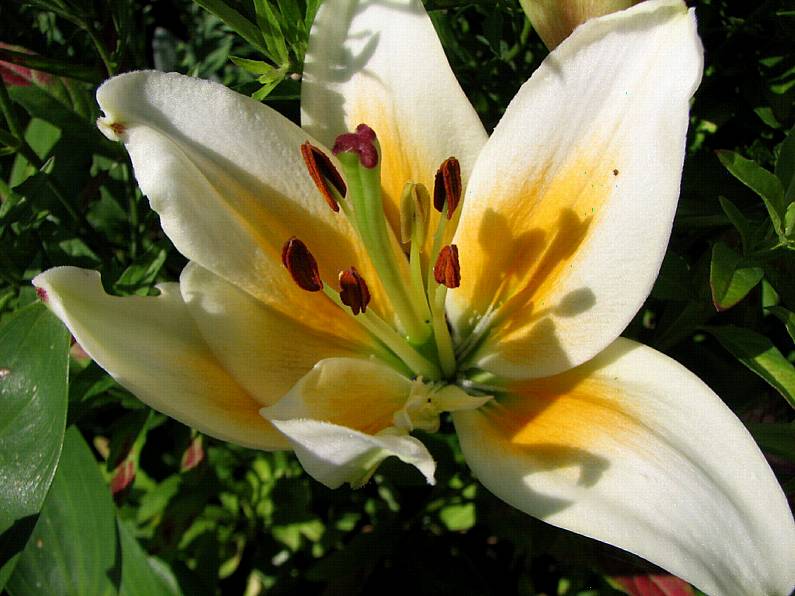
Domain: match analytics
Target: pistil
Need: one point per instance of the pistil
(359, 156)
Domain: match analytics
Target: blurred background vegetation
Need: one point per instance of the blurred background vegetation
(139, 504)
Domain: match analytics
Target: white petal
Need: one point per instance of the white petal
(358, 394)
(634, 450)
(151, 346)
(226, 175)
(380, 62)
(263, 349)
(335, 454)
(570, 204)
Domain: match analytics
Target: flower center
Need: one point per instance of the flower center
(416, 281)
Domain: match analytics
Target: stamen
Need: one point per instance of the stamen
(447, 270)
(414, 213)
(301, 265)
(354, 291)
(361, 142)
(447, 186)
(323, 173)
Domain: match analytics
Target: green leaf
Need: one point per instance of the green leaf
(74, 547)
(775, 438)
(739, 221)
(34, 355)
(730, 278)
(758, 179)
(785, 316)
(272, 32)
(139, 277)
(458, 517)
(235, 21)
(257, 67)
(785, 166)
(759, 354)
(142, 575)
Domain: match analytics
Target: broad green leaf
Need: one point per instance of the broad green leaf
(775, 438)
(730, 278)
(759, 354)
(74, 547)
(789, 222)
(142, 575)
(785, 316)
(235, 21)
(139, 277)
(34, 356)
(758, 179)
(739, 221)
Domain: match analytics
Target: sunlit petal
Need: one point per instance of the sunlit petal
(381, 63)
(634, 450)
(569, 206)
(151, 346)
(358, 394)
(264, 350)
(335, 454)
(226, 175)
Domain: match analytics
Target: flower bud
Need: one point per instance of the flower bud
(554, 20)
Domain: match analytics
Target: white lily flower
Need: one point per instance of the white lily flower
(319, 321)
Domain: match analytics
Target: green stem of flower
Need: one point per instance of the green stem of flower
(364, 191)
(377, 327)
(444, 343)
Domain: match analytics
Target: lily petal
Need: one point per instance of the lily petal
(634, 450)
(226, 175)
(151, 346)
(570, 204)
(380, 62)
(335, 454)
(358, 394)
(264, 350)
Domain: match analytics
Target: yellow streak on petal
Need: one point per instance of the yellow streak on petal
(562, 422)
(516, 252)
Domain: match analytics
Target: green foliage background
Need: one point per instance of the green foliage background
(190, 515)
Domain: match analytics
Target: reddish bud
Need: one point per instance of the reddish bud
(42, 294)
(361, 142)
(323, 173)
(123, 476)
(193, 455)
(354, 291)
(447, 186)
(447, 271)
(301, 265)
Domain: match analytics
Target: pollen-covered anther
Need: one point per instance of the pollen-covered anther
(301, 265)
(362, 142)
(354, 291)
(447, 270)
(447, 186)
(323, 173)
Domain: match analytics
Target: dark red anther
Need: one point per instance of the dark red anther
(361, 142)
(42, 294)
(447, 186)
(447, 271)
(323, 173)
(301, 265)
(354, 291)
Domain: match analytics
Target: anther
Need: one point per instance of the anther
(354, 291)
(447, 186)
(447, 271)
(323, 173)
(301, 265)
(361, 142)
